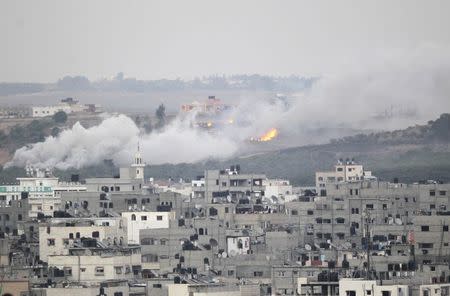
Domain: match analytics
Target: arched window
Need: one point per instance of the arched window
(133, 217)
(200, 231)
(206, 261)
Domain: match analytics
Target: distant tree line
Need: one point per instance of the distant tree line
(434, 131)
(122, 83)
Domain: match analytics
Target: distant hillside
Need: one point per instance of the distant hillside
(416, 153)
(413, 154)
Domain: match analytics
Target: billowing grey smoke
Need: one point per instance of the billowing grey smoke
(415, 85)
(117, 138)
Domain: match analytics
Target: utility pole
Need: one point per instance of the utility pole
(368, 243)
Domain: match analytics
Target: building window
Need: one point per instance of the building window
(19, 217)
(425, 228)
(258, 273)
(442, 192)
(445, 228)
(432, 192)
(340, 220)
(99, 270)
(294, 213)
(159, 218)
(95, 234)
(133, 217)
(310, 212)
(118, 269)
(147, 241)
(50, 242)
(67, 271)
(143, 218)
(230, 272)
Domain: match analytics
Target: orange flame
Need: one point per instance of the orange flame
(270, 135)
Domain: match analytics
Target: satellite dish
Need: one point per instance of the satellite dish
(398, 221)
(308, 247)
(232, 253)
(224, 255)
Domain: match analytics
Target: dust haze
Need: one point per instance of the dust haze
(390, 92)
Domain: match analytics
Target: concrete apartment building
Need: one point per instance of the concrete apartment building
(231, 184)
(57, 236)
(97, 264)
(138, 220)
(344, 171)
(240, 230)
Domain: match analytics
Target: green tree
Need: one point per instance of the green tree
(60, 117)
(55, 131)
(161, 115)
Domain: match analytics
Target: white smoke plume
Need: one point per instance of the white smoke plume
(415, 84)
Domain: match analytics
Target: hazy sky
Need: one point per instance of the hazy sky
(42, 41)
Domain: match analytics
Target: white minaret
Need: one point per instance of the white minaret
(138, 165)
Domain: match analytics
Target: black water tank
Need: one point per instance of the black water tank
(75, 178)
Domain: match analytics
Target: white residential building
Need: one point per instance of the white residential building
(42, 190)
(98, 265)
(60, 234)
(136, 221)
(238, 245)
(360, 287)
(347, 171)
(280, 189)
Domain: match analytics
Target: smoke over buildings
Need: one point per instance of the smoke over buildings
(353, 100)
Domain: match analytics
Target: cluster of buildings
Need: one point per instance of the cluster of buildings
(209, 114)
(227, 232)
(68, 105)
